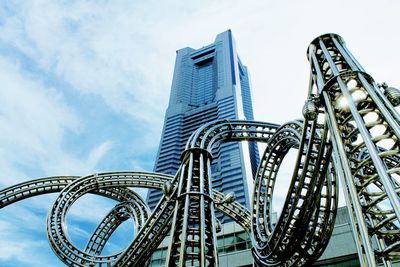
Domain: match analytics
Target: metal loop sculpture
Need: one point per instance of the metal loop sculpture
(351, 131)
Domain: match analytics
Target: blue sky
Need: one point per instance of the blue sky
(84, 86)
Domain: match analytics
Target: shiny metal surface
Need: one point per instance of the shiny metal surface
(350, 132)
(362, 122)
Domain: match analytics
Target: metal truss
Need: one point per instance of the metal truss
(306, 223)
(115, 186)
(365, 136)
(350, 132)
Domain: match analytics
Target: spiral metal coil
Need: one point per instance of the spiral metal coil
(351, 132)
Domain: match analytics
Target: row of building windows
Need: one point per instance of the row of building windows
(238, 241)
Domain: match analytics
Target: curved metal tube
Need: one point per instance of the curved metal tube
(126, 179)
(308, 215)
(120, 213)
(351, 130)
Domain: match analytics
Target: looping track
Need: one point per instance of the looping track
(308, 215)
(351, 131)
(115, 186)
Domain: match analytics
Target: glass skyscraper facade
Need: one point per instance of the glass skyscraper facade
(209, 83)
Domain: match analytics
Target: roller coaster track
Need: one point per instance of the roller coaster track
(350, 131)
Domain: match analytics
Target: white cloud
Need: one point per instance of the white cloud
(91, 208)
(11, 250)
(96, 49)
(34, 119)
(19, 228)
(124, 51)
(29, 252)
(97, 153)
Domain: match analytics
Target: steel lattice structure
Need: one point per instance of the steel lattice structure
(350, 132)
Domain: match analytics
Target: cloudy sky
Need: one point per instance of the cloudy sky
(84, 85)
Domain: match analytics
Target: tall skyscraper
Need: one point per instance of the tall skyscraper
(210, 83)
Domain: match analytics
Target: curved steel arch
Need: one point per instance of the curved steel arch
(305, 225)
(55, 184)
(120, 213)
(351, 131)
(115, 186)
